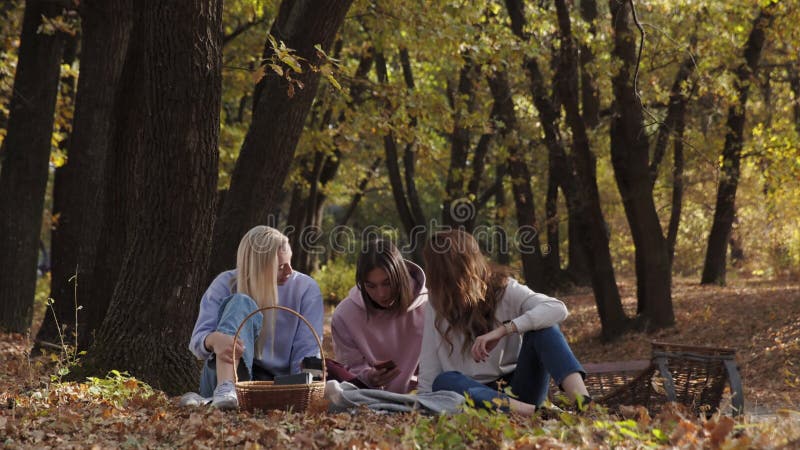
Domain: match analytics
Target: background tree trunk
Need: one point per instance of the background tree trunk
(80, 184)
(591, 224)
(630, 149)
(404, 194)
(278, 121)
(530, 247)
(24, 171)
(718, 238)
(176, 89)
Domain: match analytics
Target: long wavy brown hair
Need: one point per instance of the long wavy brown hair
(464, 288)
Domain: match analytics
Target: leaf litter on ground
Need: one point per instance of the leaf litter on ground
(761, 319)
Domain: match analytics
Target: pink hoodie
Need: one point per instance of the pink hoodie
(360, 342)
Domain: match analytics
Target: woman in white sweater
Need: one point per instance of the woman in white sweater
(483, 329)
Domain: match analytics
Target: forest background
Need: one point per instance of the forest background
(595, 141)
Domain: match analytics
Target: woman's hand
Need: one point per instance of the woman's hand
(381, 377)
(485, 343)
(221, 344)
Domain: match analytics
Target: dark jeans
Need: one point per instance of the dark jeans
(544, 353)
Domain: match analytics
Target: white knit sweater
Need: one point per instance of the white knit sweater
(527, 309)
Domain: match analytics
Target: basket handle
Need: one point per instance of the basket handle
(282, 308)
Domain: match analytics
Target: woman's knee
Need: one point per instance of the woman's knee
(242, 300)
(447, 381)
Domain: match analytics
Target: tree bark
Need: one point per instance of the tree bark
(80, 184)
(176, 89)
(24, 170)
(629, 155)
(458, 210)
(676, 112)
(591, 224)
(715, 261)
(412, 223)
(590, 93)
(503, 255)
(677, 182)
(530, 248)
(278, 121)
(560, 165)
(794, 83)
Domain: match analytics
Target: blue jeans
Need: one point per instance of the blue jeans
(544, 353)
(232, 312)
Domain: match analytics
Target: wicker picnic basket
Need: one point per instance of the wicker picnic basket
(265, 395)
(694, 376)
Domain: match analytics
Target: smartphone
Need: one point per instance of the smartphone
(388, 365)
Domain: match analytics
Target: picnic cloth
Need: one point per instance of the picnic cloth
(346, 396)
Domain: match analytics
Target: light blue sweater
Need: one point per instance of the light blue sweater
(293, 340)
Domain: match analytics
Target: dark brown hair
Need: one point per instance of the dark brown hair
(464, 288)
(383, 254)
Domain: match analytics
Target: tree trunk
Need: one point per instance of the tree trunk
(503, 254)
(676, 112)
(591, 224)
(560, 166)
(794, 83)
(528, 227)
(79, 190)
(677, 183)
(24, 171)
(403, 201)
(718, 238)
(629, 156)
(590, 94)
(458, 209)
(278, 120)
(552, 258)
(177, 91)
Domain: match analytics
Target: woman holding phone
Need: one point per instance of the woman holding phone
(377, 329)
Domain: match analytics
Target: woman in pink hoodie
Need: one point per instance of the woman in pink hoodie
(377, 329)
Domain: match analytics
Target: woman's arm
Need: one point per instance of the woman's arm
(208, 317)
(534, 311)
(347, 351)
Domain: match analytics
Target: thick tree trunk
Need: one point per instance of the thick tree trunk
(629, 155)
(718, 238)
(278, 120)
(591, 224)
(80, 184)
(177, 88)
(24, 171)
(528, 227)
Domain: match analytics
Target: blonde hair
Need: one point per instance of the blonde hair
(257, 274)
